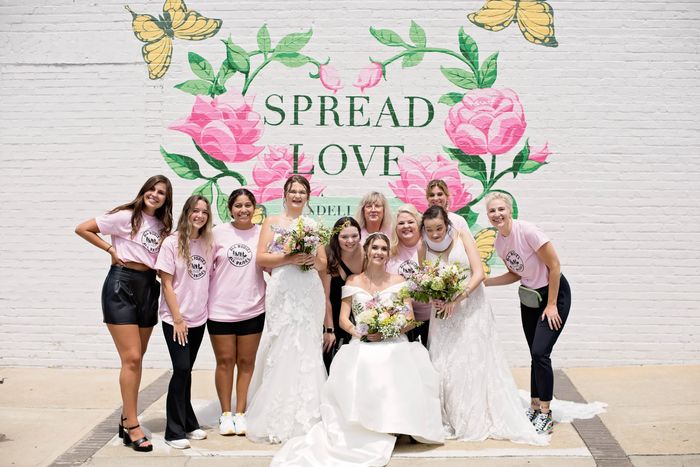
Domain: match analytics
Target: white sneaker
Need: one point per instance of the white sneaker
(178, 443)
(240, 423)
(226, 426)
(197, 434)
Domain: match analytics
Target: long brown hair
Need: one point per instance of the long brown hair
(371, 238)
(184, 228)
(163, 213)
(333, 248)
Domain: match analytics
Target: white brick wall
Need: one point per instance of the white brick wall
(81, 127)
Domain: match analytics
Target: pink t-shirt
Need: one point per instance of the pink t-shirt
(143, 247)
(458, 221)
(405, 263)
(191, 285)
(237, 286)
(519, 253)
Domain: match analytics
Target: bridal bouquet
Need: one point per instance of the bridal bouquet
(436, 281)
(386, 316)
(304, 236)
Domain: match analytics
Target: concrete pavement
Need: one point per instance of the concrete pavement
(69, 417)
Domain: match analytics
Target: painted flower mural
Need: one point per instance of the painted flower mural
(369, 77)
(273, 169)
(330, 78)
(416, 172)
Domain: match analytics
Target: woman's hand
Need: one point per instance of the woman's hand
(376, 337)
(301, 259)
(438, 304)
(328, 341)
(115, 258)
(553, 318)
(449, 309)
(180, 332)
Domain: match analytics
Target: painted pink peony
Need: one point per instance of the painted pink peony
(540, 155)
(225, 127)
(416, 172)
(272, 170)
(330, 79)
(487, 121)
(369, 77)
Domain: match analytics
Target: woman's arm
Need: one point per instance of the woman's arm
(409, 316)
(503, 279)
(320, 261)
(421, 252)
(88, 230)
(549, 257)
(328, 338)
(474, 263)
(345, 322)
(179, 325)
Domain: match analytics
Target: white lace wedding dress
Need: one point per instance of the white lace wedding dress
(479, 397)
(374, 389)
(285, 392)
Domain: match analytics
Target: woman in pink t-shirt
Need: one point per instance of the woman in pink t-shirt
(184, 263)
(130, 291)
(404, 261)
(236, 307)
(437, 193)
(531, 259)
(373, 214)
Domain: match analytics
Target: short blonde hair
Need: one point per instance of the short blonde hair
(494, 195)
(403, 209)
(374, 197)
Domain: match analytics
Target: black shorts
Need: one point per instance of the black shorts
(130, 297)
(239, 328)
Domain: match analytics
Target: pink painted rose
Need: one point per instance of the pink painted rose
(369, 77)
(540, 155)
(225, 127)
(487, 121)
(416, 172)
(330, 79)
(273, 169)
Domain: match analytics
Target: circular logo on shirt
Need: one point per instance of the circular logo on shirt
(150, 240)
(514, 262)
(408, 268)
(240, 255)
(198, 267)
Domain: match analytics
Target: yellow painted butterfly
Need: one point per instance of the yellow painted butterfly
(259, 215)
(485, 239)
(158, 33)
(535, 19)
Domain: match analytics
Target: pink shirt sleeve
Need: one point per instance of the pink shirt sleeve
(533, 235)
(118, 223)
(166, 256)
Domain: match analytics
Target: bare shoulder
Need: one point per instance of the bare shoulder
(354, 279)
(396, 279)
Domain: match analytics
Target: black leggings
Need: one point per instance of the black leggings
(179, 415)
(541, 340)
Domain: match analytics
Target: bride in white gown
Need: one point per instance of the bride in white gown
(479, 397)
(285, 391)
(374, 389)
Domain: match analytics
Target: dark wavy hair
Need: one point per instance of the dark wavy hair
(333, 247)
(163, 213)
(433, 212)
(240, 192)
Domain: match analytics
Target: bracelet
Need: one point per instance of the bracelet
(109, 248)
(328, 330)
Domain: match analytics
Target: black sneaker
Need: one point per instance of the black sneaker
(543, 423)
(531, 413)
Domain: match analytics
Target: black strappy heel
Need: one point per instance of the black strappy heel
(136, 445)
(121, 427)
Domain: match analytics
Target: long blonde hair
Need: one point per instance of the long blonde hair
(408, 209)
(184, 228)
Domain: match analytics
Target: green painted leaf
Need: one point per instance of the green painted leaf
(468, 214)
(292, 59)
(184, 166)
(195, 87)
(222, 205)
(471, 166)
(205, 190)
(451, 98)
(201, 67)
(489, 71)
(417, 35)
(461, 78)
(530, 166)
(293, 42)
(412, 59)
(388, 37)
(515, 204)
(216, 163)
(469, 49)
(218, 89)
(225, 72)
(520, 159)
(264, 42)
(237, 58)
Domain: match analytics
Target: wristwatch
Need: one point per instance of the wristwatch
(328, 330)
